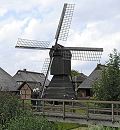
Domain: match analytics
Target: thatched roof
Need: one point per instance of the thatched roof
(94, 76)
(30, 77)
(7, 83)
(80, 78)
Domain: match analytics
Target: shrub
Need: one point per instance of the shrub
(13, 117)
(9, 107)
(30, 122)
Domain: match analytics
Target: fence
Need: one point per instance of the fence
(88, 110)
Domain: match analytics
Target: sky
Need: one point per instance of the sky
(95, 23)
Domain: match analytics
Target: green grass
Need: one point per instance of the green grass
(81, 128)
(70, 126)
(80, 111)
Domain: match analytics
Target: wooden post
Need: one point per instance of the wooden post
(72, 107)
(117, 109)
(52, 108)
(23, 103)
(43, 106)
(94, 108)
(87, 111)
(53, 103)
(112, 112)
(63, 109)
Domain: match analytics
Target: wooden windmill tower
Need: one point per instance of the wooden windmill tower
(61, 86)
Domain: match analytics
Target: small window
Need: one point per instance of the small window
(20, 92)
(19, 82)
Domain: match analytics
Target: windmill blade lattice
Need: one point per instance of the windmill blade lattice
(45, 66)
(86, 55)
(82, 53)
(32, 44)
(64, 23)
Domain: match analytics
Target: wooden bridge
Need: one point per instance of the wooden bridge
(106, 113)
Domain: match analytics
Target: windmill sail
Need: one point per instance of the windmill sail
(45, 66)
(82, 53)
(64, 23)
(47, 73)
(32, 44)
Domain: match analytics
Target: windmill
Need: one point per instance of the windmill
(60, 86)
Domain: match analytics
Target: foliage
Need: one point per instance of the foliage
(14, 117)
(108, 87)
(9, 107)
(30, 122)
(74, 73)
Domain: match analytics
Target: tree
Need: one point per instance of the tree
(108, 87)
(74, 73)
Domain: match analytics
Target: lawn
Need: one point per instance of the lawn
(81, 128)
(70, 126)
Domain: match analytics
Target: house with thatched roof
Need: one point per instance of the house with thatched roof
(7, 83)
(30, 83)
(85, 88)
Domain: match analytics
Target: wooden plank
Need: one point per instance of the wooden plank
(63, 110)
(112, 112)
(78, 101)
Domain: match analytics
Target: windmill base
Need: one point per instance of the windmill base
(60, 87)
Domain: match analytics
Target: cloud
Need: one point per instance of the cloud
(39, 30)
(94, 24)
(104, 34)
(2, 12)
(10, 31)
(24, 6)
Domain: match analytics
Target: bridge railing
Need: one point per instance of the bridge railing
(84, 109)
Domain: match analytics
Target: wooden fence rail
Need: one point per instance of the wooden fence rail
(106, 113)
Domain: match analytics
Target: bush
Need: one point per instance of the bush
(13, 117)
(30, 122)
(9, 107)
